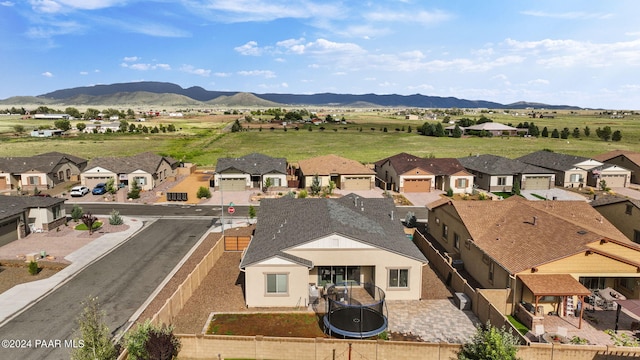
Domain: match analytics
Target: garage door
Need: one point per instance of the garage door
(537, 183)
(357, 183)
(230, 184)
(3, 182)
(92, 181)
(417, 185)
(614, 180)
(8, 232)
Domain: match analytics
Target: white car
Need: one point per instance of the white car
(79, 191)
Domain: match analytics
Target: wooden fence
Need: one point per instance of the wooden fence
(236, 243)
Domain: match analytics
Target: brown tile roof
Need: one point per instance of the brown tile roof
(333, 164)
(404, 162)
(633, 156)
(554, 285)
(505, 229)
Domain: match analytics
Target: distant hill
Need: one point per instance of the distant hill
(163, 93)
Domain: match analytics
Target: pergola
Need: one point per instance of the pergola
(563, 285)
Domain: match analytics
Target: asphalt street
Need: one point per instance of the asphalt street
(122, 281)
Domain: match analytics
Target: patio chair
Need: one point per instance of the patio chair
(539, 331)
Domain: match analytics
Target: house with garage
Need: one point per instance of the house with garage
(408, 173)
(303, 244)
(22, 215)
(147, 169)
(622, 212)
(347, 174)
(508, 244)
(495, 129)
(42, 171)
(497, 173)
(625, 159)
(253, 171)
(571, 171)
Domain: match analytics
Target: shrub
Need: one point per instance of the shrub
(33, 268)
(89, 221)
(76, 212)
(135, 191)
(149, 341)
(450, 192)
(490, 343)
(252, 212)
(94, 334)
(482, 196)
(302, 194)
(115, 218)
(203, 192)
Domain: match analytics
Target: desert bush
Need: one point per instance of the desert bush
(203, 192)
(33, 268)
(76, 212)
(150, 341)
(115, 218)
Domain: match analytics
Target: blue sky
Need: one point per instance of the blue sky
(584, 53)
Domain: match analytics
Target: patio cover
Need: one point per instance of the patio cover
(632, 306)
(555, 285)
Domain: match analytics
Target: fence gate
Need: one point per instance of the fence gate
(236, 243)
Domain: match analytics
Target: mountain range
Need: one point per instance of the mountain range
(163, 93)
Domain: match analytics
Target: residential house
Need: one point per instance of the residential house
(147, 169)
(42, 171)
(46, 132)
(622, 212)
(347, 174)
(101, 127)
(250, 171)
(300, 243)
(623, 158)
(22, 215)
(495, 129)
(571, 171)
(408, 173)
(497, 173)
(501, 244)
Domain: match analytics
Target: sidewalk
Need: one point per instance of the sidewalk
(22, 296)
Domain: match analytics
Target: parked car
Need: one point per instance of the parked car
(79, 191)
(99, 189)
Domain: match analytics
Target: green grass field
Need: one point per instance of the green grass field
(201, 140)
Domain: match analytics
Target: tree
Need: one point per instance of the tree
(587, 131)
(73, 112)
(616, 136)
(439, 130)
(555, 134)
(115, 218)
(76, 212)
(457, 132)
(490, 343)
(95, 337)
(88, 219)
(124, 125)
(111, 186)
(18, 129)
(427, 129)
(576, 133)
(81, 126)
(331, 187)
(150, 341)
(91, 113)
(252, 212)
(604, 133)
(483, 119)
(410, 219)
(515, 190)
(62, 124)
(236, 126)
(203, 192)
(315, 185)
(565, 133)
(545, 132)
(135, 191)
(533, 130)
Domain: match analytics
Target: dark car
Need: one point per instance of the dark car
(99, 189)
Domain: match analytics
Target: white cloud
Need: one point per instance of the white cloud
(7, 3)
(250, 48)
(222, 74)
(421, 17)
(130, 58)
(284, 85)
(266, 73)
(568, 15)
(190, 69)
(145, 66)
(421, 87)
(47, 74)
(538, 82)
(54, 6)
(259, 10)
(54, 29)
(84, 73)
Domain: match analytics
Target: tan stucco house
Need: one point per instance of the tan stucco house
(42, 171)
(252, 171)
(571, 171)
(622, 212)
(147, 169)
(625, 159)
(22, 215)
(498, 241)
(347, 174)
(497, 173)
(303, 243)
(408, 173)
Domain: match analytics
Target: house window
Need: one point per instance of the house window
(398, 278)
(491, 271)
(56, 212)
(277, 283)
(502, 181)
(628, 283)
(338, 275)
(33, 180)
(592, 283)
(575, 178)
(629, 209)
(636, 236)
(68, 174)
(467, 244)
(142, 181)
(60, 175)
(445, 231)
(456, 241)
(462, 183)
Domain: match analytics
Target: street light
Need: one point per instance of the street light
(221, 200)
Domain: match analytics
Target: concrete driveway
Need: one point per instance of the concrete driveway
(423, 198)
(552, 194)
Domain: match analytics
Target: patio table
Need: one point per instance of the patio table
(609, 296)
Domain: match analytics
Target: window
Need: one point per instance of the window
(277, 283)
(445, 231)
(142, 181)
(628, 283)
(456, 241)
(338, 275)
(592, 283)
(398, 278)
(56, 212)
(629, 209)
(33, 180)
(575, 178)
(502, 181)
(491, 271)
(462, 183)
(68, 174)
(636, 236)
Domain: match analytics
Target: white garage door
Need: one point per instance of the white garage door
(8, 232)
(231, 184)
(537, 183)
(614, 180)
(92, 181)
(357, 183)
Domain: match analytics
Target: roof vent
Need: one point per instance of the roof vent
(535, 220)
(582, 232)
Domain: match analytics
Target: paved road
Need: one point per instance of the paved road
(122, 281)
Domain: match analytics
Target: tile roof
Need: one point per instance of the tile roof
(45, 163)
(333, 164)
(633, 156)
(505, 229)
(286, 223)
(254, 164)
(13, 205)
(552, 160)
(498, 165)
(404, 162)
(147, 161)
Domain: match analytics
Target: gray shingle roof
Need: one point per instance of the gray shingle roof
(498, 165)
(13, 205)
(404, 162)
(147, 161)
(613, 199)
(286, 223)
(45, 163)
(552, 160)
(254, 164)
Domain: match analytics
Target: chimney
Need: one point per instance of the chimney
(535, 220)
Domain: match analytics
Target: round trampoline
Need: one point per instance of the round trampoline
(355, 311)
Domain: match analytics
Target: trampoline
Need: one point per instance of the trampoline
(355, 311)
